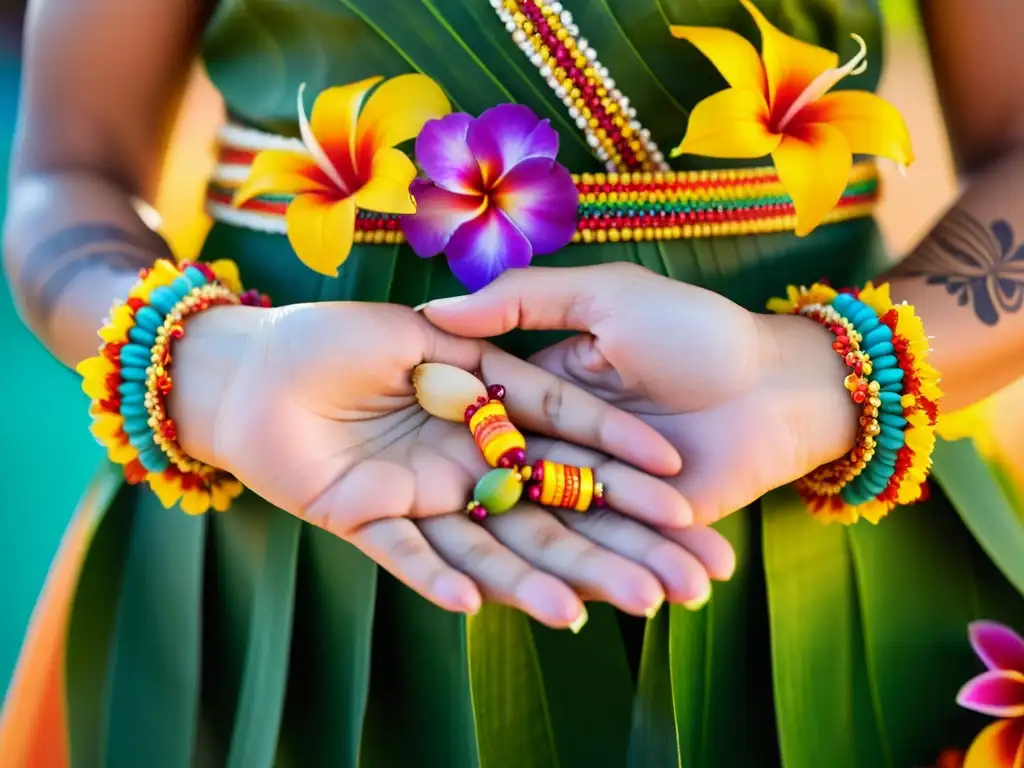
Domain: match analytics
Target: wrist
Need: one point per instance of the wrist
(204, 367)
(804, 380)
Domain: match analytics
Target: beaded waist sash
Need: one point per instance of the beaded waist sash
(658, 205)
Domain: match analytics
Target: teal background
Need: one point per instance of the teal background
(46, 451)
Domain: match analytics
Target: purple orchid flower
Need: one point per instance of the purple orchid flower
(494, 198)
(998, 692)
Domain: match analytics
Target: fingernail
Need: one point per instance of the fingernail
(577, 625)
(439, 302)
(698, 603)
(652, 611)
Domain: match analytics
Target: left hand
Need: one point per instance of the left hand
(751, 402)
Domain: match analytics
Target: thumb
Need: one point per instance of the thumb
(537, 298)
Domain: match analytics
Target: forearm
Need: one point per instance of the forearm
(72, 244)
(966, 281)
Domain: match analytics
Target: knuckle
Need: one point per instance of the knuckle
(553, 402)
(407, 548)
(547, 537)
(477, 554)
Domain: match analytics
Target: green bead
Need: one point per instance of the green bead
(499, 490)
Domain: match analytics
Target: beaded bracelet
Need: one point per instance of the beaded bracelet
(455, 395)
(897, 390)
(130, 379)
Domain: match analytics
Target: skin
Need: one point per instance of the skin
(75, 240)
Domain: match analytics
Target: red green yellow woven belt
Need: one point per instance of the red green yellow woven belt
(643, 205)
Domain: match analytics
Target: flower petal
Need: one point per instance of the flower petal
(997, 645)
(387, 190)
(438, 214)
(314, 148)
(321, 230)
(444, 155)
(397, 112)
(999, 693)
(870, 124)
(732, 124)
(333, 123)
(541, 199)
(282, 172)
(731, 53)
(509, 134)
(790, 65)
(998, 746)
(814, 166)
(483, 248)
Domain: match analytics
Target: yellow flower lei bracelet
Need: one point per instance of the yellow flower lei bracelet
(130, 379)
(897, 389)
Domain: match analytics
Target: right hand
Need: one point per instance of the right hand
(312, 407)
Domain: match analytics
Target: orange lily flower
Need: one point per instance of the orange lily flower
(349, 162)
(779, 104)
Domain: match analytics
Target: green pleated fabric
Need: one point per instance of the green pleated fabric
(249, 639)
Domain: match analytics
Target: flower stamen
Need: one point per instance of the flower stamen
(824, 82)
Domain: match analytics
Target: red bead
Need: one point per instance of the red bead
(859, 397)
(135, 303)
(470, 411)
(599, 501)
(481, 402)
(164, 385)
(538, 471)
(516, 457)
(134, 472)
(479, 514)
(177, 331)
(169, 430)
(496, 392)
(533, 492)
(112, 350)
(113, 381)
(505, 462)
(205, 269)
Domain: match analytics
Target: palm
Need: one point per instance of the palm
(325, 424)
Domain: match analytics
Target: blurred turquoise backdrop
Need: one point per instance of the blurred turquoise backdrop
(46, 451)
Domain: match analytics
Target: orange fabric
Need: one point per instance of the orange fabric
(33, 723)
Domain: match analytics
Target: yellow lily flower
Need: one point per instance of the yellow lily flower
(349, 162)
(779, 104)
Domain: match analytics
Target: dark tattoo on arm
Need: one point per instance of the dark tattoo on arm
(54, 264)
(983, 267)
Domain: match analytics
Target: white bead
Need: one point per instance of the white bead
(545, 71)
(623, 100)
(555, 7)
(572, 30)
(591, 54)
(603, 71)
(519, 37)
(574, 113)
(496, 4)
(592, 140)
(560, 91)
(511, 26)
(631, 112)
(566, 18)
(582, 44)
(610, 167)
(644, 133)
(581, 122)
(535, 59)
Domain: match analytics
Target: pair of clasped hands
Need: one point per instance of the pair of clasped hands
(686, 405)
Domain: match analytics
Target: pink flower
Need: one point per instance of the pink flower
(998, 692)
(495, 196)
